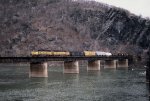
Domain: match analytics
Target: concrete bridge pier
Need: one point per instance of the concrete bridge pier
(93, 65)
(122, 64)
(38, 69)
(110, 64)
(71, 67)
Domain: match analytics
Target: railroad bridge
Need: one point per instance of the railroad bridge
(38, 65)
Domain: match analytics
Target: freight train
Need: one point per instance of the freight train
(71, 53)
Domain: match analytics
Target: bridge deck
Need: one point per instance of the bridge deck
(59, 58)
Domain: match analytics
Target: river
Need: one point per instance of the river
(104, 85)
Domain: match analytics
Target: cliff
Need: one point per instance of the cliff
(27, 25)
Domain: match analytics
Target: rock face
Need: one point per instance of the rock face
(27, 25)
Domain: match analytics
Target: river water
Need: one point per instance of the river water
(104, 85)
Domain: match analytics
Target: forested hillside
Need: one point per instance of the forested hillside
(27, 25)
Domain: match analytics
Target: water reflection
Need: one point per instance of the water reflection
(148, 89)
(71, 76)
(38, 82)
(94, 73)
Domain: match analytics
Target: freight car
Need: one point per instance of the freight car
(89, 53)
(98, 53)
(76, 53)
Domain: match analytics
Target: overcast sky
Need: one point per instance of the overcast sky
(138, 7)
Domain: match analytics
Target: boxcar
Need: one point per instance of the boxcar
(89, 53)
(76, 53)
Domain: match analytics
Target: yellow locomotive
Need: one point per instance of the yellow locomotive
(50, 53)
